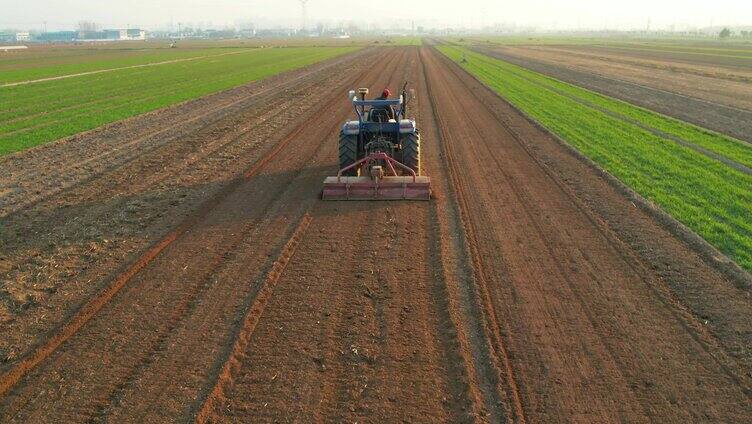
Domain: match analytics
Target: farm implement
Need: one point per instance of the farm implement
(379, 153)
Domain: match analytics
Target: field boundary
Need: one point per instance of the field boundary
(709, 253)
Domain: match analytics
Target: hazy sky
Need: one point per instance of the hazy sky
(571, 14)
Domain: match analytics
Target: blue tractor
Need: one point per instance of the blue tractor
(379, 153)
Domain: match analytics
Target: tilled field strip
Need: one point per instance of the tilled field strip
(500, 368)
(312, 176)
(11, 377)
(252, 317)
(88, 311)
(355, 323)
(645, 48)
(525, 250)
(188, 165)
(21, 190)
(650, 64)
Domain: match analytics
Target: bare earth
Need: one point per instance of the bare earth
(180, 266)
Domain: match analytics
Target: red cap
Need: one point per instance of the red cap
(386, 93)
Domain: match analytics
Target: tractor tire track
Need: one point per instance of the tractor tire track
(579, 262)
(683, 316)
(153, 136)
(208, 208)
(369, 341)
(134, 194)
(255, 310)
(501, 374)
(11, 377)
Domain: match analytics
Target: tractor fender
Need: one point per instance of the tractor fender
(406, 126)
(351, 128)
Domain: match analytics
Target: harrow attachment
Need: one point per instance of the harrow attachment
(382, 181)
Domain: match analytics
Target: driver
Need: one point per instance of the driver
(388, 108)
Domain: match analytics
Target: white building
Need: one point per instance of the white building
(23, 36)
(133, 34)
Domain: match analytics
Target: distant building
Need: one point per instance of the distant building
(275, 33)
(111, 35)
(56, 36)
(22, 36)
(10, 48)
(247, 33)
(136, 34)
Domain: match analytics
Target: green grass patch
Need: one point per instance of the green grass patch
(730, 148)
(669, 48)
(711, 198)
(31, 68)
(37, 113)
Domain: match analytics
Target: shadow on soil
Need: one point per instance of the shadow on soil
(54, 242)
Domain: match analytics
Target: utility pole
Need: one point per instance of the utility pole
(304, 16)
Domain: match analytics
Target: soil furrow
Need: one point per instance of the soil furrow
(114, 155)
(115, 230)
(255, 311)
(94, 305)
(190, 232)
(591, 261)
(199, 277)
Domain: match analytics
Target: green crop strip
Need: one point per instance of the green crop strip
(732, 149)
(31, 69)
(711, 198)
(37, 113)
(727, 48)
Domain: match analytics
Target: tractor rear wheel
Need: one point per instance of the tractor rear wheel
(411, 151)
(348, 153)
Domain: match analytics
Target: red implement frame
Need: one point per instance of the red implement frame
(391, 187)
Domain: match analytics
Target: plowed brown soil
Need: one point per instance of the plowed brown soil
(529, 289)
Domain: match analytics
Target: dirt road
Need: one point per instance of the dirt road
(528, 290)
